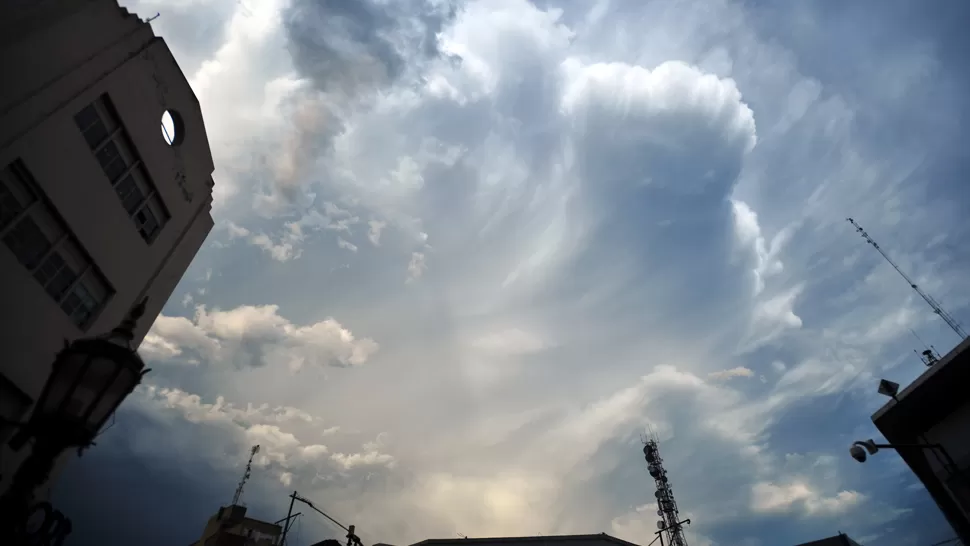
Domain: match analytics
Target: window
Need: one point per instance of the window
(39, 239)
(102, 130)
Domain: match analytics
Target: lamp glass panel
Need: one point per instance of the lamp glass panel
(119, 389)
(62, 379)
(99, 372)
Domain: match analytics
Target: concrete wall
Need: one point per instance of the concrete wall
(77, 51)
(953, 433)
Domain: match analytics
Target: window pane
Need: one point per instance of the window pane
(15, 192)
(85, 118)
(111, 161)
(27, 242)
(96, 134)
(87, 304)
(147, 223)
(49, 269)
(9, 206)
(61, 282)
(71, 302)
(81, 311)
(90, 123)
(129, 194)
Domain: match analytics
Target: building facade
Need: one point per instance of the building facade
(935, 409)
(230, 527)
(98, 209)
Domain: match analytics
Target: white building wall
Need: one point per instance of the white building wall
(76, 51)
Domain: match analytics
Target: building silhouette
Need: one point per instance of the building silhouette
(99, 207)
(230, 527)
(935, 409)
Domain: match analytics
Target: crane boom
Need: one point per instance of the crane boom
(947, 318)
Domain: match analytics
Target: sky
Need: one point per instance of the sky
(467, 252)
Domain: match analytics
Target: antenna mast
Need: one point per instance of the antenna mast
(947, 318)
(669, 523)
(246, 474)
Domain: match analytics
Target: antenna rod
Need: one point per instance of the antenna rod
(246, 474)
(949, 320)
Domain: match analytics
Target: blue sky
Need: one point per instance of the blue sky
(467, 251)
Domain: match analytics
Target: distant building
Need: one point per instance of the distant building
(838, 540)
(230, 527)
(935, 409)
(98, 208)
(601, 539)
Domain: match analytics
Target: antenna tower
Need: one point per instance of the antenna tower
(929, 356)
(669, 523)
(245, 477)
(947, 318)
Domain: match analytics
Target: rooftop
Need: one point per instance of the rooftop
(537, 539)
(931, 397)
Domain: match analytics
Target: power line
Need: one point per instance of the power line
(947, 318)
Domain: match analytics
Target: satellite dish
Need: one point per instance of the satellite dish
(659, 494)
(660, 512)
(660, 524)
(655, 471)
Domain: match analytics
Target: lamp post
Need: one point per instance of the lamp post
(859, 449)
(89, 379)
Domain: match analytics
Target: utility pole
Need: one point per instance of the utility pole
(352, 538)
(289, 514)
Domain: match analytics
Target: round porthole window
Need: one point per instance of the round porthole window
(173, 131)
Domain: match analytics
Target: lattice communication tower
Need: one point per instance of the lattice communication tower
(669, 523)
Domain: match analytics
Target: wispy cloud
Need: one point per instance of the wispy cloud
(583, 220)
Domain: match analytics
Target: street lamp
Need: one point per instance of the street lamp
(89, 379)
(860, 448)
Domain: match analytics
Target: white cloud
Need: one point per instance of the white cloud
(664, 112)
(417, 266)
(369, 458)
(748, 232)
(722, 375)
(257, 335)
(346, 244)
(195, 410)
(236, 231)
(281, 252)
(276, 429)
(798, 496)
(374, 233)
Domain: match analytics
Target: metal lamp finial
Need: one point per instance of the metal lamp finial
(126, 330)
